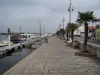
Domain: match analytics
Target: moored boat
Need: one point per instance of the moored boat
(5, 43)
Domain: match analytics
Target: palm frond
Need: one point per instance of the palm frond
(86, 16)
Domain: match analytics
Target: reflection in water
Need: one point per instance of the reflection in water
(9, 61)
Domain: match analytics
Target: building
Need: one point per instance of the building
(91, 28)
(80, 30)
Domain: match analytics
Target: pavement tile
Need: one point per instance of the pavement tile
(57, 73)
(63, 71)
(53, 71)
(47, 74)
(68, 74)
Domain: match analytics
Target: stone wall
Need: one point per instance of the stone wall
(93, 49)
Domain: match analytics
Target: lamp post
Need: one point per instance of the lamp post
(99, 21)
(20, 38)
(40, 28)
(60, 25)
(9, 38)
(70, 9)
(20, 30)
(63, 20)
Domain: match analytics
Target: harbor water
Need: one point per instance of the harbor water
(8, 61)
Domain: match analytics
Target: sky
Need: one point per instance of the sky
(28, 14)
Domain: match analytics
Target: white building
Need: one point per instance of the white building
(79, 30)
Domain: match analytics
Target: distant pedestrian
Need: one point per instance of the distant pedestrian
(21, 43)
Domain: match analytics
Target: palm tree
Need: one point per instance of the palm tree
(58, 33)
(72, 27)
(98, 26)
(79, 22)
(62, 32)
(67, 31)
(85, 17)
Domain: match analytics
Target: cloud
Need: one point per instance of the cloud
(27, 13)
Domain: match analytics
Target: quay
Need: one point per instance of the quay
(55, 58)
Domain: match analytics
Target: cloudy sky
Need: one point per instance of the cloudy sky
(27, 14)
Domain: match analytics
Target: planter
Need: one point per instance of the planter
(93, 51)
(88, 48)
(81, 46)
(98, 54)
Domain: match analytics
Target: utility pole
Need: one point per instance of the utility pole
(70, 9)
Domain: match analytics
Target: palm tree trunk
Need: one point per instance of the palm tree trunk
(63, 36)
(67, 35)
(86, 37)
(72, 36)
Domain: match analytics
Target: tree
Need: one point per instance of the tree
(79, 22)
(86, 17)
(67, 31)
(71, 28)
(60, 33)
(98, 26)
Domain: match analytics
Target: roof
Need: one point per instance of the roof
(92, 27)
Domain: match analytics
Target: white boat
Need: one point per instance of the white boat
(27, 36)
(5, 43)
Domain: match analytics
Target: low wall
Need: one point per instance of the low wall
(93, 49)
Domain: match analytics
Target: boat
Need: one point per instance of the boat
(5, 43)
(15, 38)
(27, 36)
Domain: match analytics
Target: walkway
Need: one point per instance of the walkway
(54, 58)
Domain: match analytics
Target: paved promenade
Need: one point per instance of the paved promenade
(55, 58)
